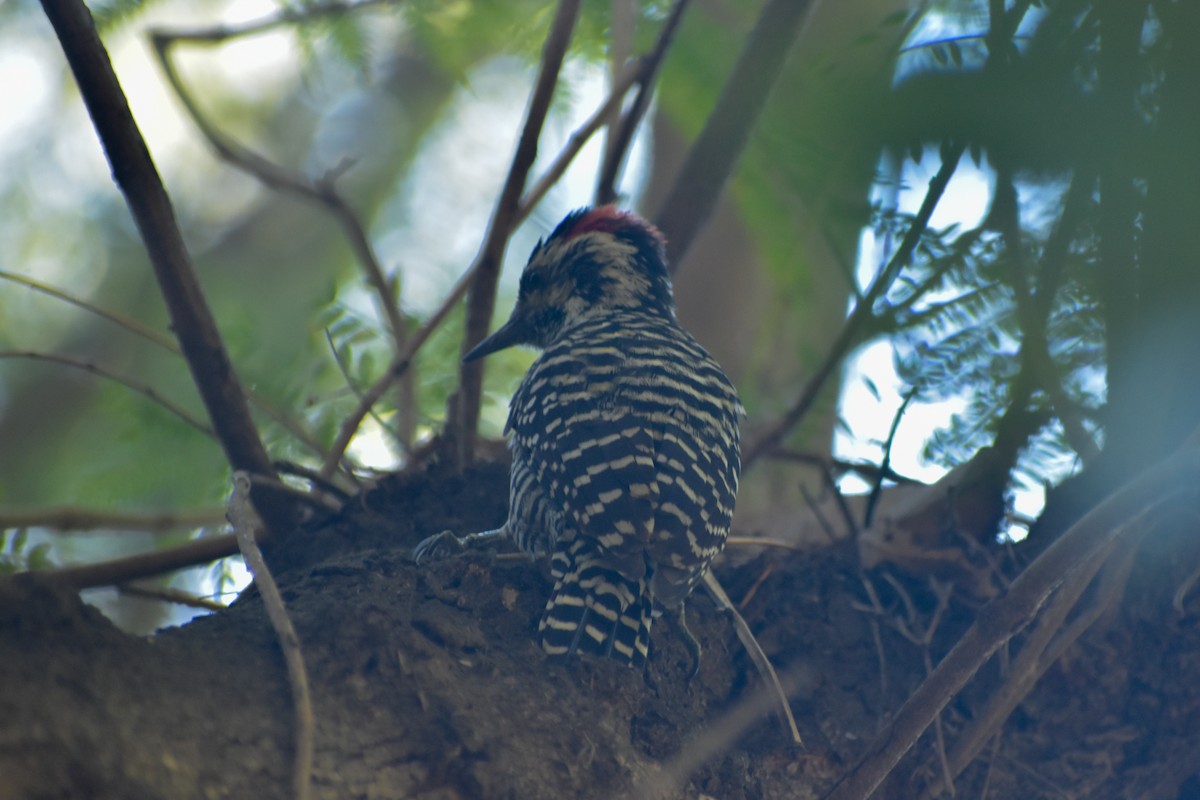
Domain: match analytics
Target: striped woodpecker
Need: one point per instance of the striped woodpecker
(624, 436)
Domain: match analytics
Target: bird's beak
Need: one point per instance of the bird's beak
(507, 335)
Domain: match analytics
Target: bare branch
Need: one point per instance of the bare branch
(578, 139)
(289, 15)
(462, 416)
(621, 139)
(247, 527)
(135, 174)
(156, 562)
(322, 191)
(886, 464)
(862, 313)
(709, 163)
(171, 346)
(169, 595)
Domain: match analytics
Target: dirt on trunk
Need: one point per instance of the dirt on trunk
(427, 683)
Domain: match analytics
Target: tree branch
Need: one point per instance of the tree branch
(709, 163)
(322, 191)
(862, 313)
(246, 527)
(135, 174)
(621, 139)
(462, 416)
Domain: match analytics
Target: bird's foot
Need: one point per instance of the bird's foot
(439, 546)
(689, 640)
(446, 544)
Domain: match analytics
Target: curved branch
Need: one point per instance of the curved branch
(191, 318)
(622, 138)
(166, 343)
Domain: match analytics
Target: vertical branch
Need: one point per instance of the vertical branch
(709, 163)
(621, 139)
(463, 412)
(135, 174)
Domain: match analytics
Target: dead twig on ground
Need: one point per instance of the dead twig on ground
(755, 651)
(246, 528)
(1004, 617)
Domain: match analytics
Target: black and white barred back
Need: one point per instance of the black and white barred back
(624, 436)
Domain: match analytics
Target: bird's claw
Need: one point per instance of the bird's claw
(440, 545)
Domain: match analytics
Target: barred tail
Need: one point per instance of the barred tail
(594, 609)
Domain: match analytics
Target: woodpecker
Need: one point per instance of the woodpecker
(624, 437)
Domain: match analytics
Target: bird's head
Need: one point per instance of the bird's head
(597, 261)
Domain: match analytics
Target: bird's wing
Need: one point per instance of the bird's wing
(590, 452)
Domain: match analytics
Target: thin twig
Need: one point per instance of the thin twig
(135, 174)
(322, 191)
(397, 368)
(756, 541)
(708, 744)
(129, 324)
(828, 463)
(839, 500)
(141, 388)
(169, 595)
(886, 464)
(357, 391)
(143, 565)
(581, 136)
(621, 30)
(247, 528)
(717, 737)
(401, 363)
(815, 508)
(462, 417)
(71, 518)
(877, 611)
(289, 15)
(755, 651)
(621, 139)
(171, 346)
(1000, 620)
(862, 313)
